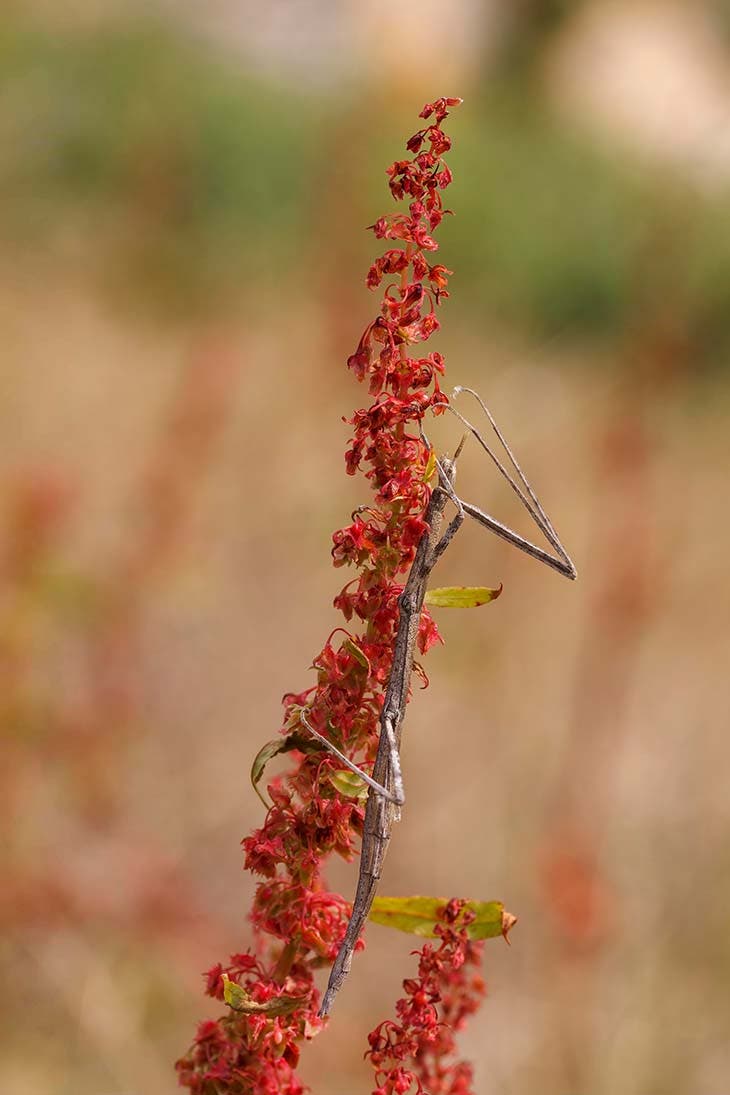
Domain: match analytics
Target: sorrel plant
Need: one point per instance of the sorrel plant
(317, 809)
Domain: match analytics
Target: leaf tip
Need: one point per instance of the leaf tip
(508, 923)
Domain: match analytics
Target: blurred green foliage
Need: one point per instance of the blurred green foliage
(567, 239)
(205, 180)
(154, 139)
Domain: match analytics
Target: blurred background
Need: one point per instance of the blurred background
(183, 194)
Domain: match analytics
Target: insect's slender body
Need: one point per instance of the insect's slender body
(385, 794)
(382, 812)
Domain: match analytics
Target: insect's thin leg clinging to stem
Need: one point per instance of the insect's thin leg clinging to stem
(381, 812)
(396, 797)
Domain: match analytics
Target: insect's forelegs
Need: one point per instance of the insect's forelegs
(396, 797)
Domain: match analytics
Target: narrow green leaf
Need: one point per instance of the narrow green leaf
(272, 749)
(430, 466)
(238, 999)
(348, 783)
(359, 655)
(461, 596)
(419, 916)
(262, 758)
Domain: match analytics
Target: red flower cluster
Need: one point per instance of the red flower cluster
(254, 1053)
(437, 1003)
(298, 923)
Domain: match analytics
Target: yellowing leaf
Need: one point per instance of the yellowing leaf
(359, 655)
(420, 915)
(348, 783)
(430, 466)
(262, 758)
(415, 915)
(238, 999)
(461, 596)
(272, 749)
(492, 920)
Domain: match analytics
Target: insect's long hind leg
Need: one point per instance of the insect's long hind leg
(513, 459)
(563, 563)
(556, 562)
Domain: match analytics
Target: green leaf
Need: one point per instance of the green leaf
(272, 749)
(348, 783)
(359, 655)
(461, 596)
(420, 915)
(430, 466)
(262, 758)
(238, 999)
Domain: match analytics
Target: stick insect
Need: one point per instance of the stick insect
(386, 793)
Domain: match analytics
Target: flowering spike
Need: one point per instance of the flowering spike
(412, 1053)
(317, 809)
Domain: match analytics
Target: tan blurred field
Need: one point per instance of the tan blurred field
(171, 479)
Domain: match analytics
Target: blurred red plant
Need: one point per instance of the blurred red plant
(298, 923)
(71, 671)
